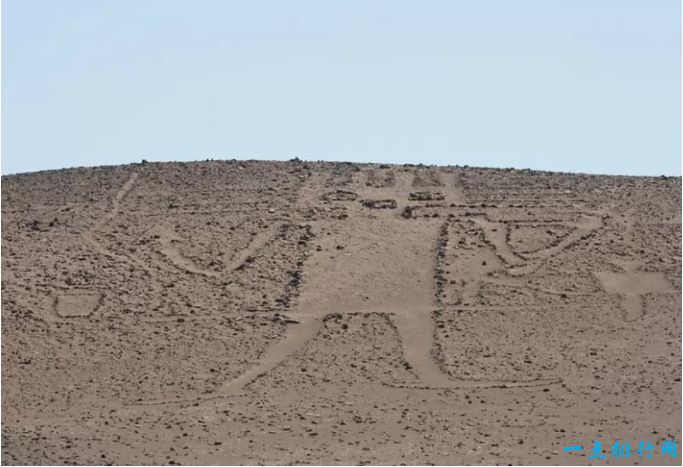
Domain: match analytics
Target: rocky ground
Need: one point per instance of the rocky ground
(240, 312)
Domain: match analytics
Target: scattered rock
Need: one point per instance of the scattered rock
(379, 203)
(426, 196)
(340, 195)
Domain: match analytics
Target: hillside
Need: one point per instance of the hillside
(248, 312)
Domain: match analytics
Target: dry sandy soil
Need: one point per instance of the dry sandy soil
(261, 312)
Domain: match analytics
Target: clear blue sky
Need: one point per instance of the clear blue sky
(574, 85)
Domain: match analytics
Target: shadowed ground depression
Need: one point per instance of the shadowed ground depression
(332, 313)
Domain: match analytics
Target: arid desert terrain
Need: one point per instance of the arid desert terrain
(243, 312)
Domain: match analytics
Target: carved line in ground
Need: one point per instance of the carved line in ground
(122, 193)
(537, 260)
(209, 398)
(510, 282)
(90, 238)
(482, 384)
(441, 249)
(199, 318)
(296, 339)
(571, 239)
(540, 207)
(539, 223)
(250, 212)
(581, 231)
(307, 329)
(543, 256)
(303, 331)
(633, 301)
(259, 241)
(454, 308)
(519, 198)
(464, 385)
(60, 317)
(106, 217)
(438, 351)
(28, 309)
(500, 246)
(171, 253)
(530, 252)
(233, 322)
(192, 400)
(403, 185)
(275, 356)
(629, 303)
(398, 181)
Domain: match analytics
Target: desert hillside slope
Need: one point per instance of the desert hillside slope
(269, 312)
